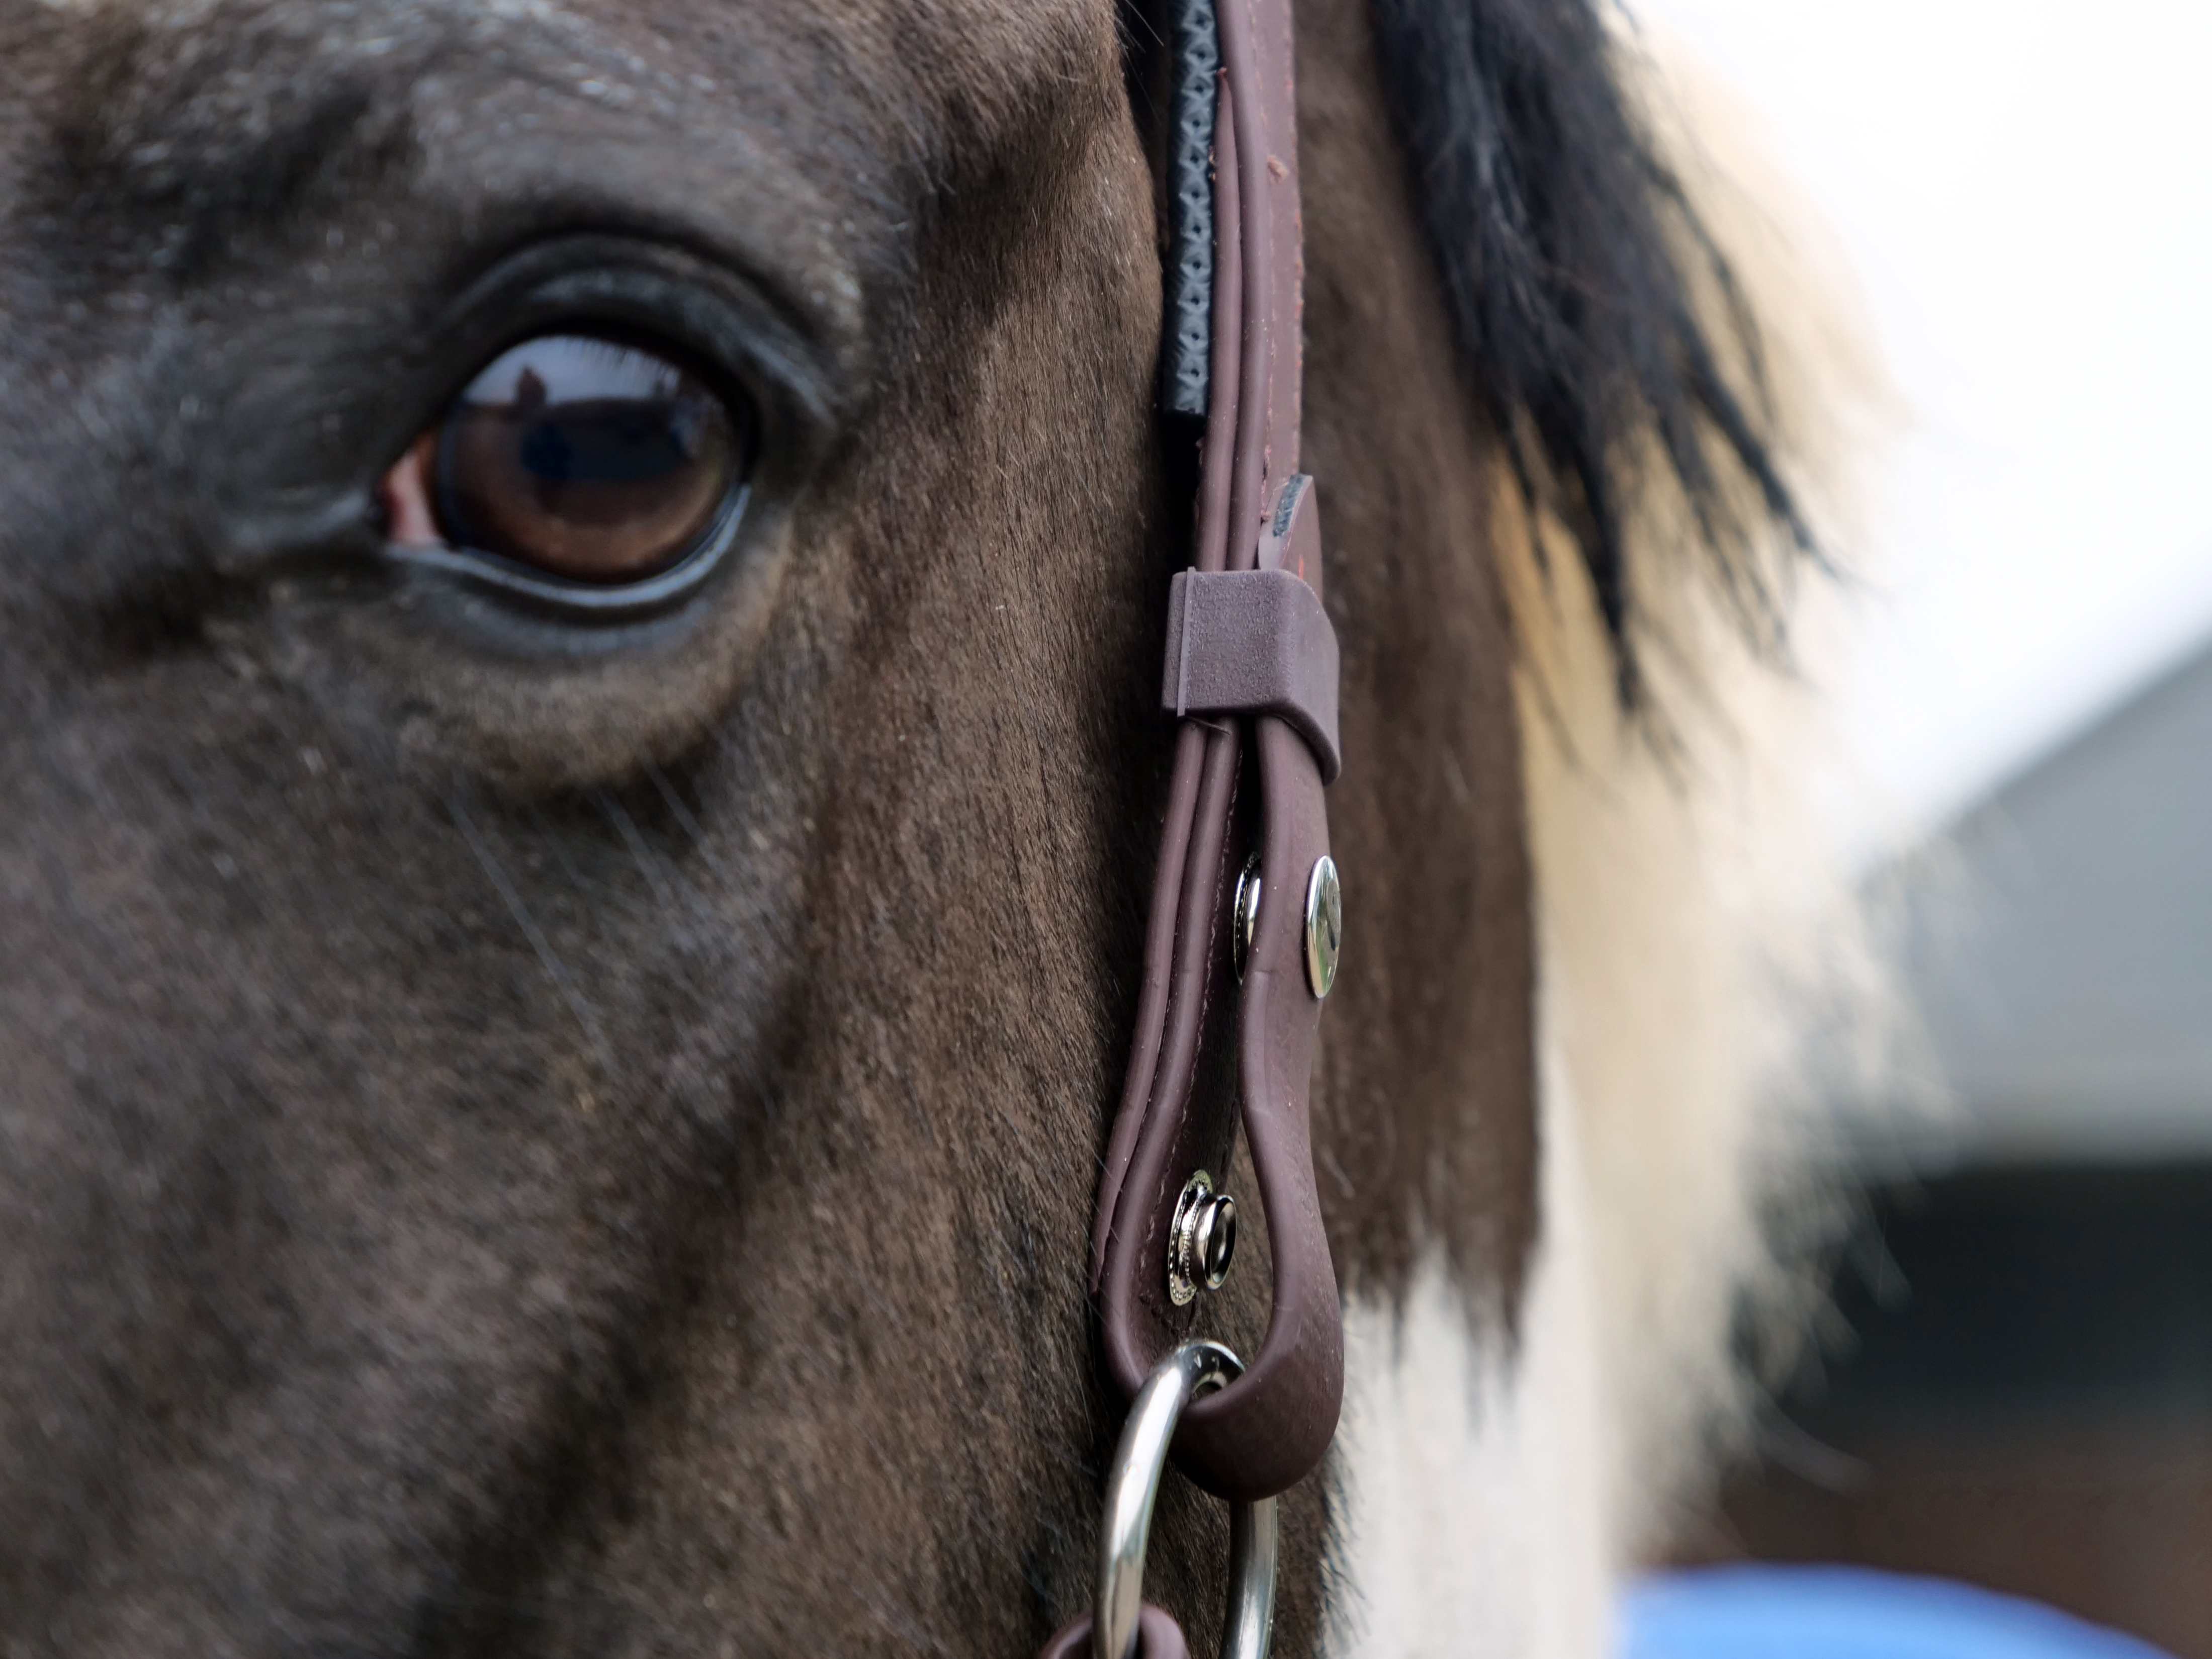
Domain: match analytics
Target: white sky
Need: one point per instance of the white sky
(2026, 192)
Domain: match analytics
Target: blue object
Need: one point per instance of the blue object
(1754, 1612)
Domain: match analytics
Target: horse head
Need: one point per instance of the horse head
(558, 1046)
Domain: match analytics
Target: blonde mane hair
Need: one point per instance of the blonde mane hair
(1701, 941)
(1701, 950)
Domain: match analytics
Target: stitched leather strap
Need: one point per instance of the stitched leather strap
(1263, 1432)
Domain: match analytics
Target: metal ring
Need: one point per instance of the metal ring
(1134, 1483)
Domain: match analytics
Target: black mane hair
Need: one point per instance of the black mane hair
(1569, 258)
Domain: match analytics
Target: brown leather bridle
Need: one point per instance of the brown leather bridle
(1251, 660)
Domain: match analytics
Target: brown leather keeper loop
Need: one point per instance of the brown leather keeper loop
(1254, 643)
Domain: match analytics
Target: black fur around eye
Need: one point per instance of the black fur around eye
(581, 458)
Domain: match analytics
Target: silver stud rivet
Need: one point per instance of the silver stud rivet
(1201, 1239)
(1244, 912)
(1324, 925)
(1213, 1240)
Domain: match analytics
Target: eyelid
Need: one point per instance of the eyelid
(588, 601)
(724, 321)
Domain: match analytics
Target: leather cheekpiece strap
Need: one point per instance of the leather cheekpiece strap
(1252, 669)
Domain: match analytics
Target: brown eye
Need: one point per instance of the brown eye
(580, 458)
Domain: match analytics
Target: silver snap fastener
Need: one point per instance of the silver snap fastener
(1324, 925)
(1244, 912)
(1201, 1239)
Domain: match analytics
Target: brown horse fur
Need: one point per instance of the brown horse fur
(513, 1140)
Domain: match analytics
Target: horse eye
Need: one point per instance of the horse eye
(580, 458)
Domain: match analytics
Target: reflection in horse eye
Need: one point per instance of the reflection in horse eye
(580, 458)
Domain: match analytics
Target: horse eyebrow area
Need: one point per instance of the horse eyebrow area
(218, 139)
(169, 143)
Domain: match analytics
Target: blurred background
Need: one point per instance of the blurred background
(2017, 1391)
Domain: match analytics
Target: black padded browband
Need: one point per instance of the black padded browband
(1187, 345)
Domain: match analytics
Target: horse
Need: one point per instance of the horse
(538, 1125)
